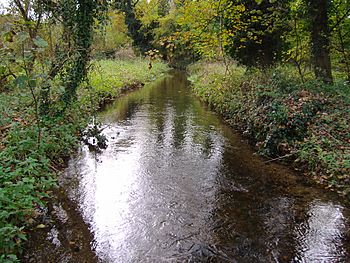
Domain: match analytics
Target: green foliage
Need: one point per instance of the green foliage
(24, 179)
(81, 24)
(340, 26)
(307, 122)
(112, 37)
(255, 33)
(26, 175)
(258, 40)
(140, 34)
(198, 26)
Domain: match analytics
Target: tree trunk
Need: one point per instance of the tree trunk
(318, 15)
(133, 24)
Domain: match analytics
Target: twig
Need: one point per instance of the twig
(4, 128)
(54, 168)
(279, 158)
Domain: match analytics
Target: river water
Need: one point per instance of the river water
(176, 184)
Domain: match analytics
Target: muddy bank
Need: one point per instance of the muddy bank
(106, 100)
(59, 234)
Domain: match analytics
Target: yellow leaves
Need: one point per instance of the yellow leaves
(199, 21)
(147, 12)
(240, 8)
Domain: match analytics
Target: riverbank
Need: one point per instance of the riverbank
(33, 151)
(306, 124)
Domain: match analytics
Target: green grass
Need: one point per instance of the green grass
(119, 72)
(109, 77)
(307, 122)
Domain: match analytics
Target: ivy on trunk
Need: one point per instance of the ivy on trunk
(320, 51)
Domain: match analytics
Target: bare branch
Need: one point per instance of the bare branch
(22, 10)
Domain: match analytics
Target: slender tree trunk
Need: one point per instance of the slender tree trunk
(318, 15)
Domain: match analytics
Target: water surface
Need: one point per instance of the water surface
(176, 184)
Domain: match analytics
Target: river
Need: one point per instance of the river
(176, 184)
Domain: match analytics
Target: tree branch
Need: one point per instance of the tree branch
(340, 20)
(22, 10)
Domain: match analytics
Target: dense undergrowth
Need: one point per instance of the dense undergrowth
(28, 164)
(304, 123)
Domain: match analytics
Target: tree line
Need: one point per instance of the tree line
(257, 33)
(57, 37)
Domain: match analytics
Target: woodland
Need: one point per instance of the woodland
(279, 71)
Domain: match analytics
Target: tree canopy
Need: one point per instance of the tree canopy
(256, 33)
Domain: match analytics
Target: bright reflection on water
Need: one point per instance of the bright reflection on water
(320, 236)
(176, 185)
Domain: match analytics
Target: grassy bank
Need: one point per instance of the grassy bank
(303, 123)
(109, 79)
(32, 154)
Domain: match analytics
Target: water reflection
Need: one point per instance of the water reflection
(176, 185)
(320, 236)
